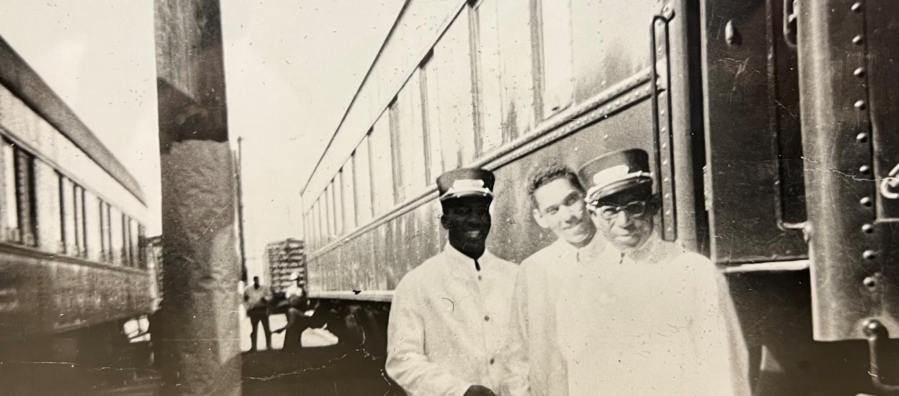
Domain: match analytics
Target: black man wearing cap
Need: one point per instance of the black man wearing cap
(660, 320)
(449, 315)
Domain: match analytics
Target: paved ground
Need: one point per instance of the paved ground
(319, 369)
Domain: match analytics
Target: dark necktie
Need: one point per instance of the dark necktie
(477, 266)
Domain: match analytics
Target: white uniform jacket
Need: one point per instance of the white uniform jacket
(448, 323)
(533, 358)
(655, 322)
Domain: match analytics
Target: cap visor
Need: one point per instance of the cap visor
(610, 193)
(461, 194)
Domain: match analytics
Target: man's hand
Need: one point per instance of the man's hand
(478, 390)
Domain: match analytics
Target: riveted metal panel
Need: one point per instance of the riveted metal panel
(742, 81)
(853, 252)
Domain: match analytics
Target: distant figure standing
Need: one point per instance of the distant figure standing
(256, 298)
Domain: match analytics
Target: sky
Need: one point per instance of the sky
(291, 69)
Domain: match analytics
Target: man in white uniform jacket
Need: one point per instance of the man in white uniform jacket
(660, 320)
(449, 316)
(533, 356)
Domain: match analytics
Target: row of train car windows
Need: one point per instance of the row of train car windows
(42, 208)
(446, 116)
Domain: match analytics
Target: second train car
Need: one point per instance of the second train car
(72, 264)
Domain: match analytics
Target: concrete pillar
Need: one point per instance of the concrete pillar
(197, 329)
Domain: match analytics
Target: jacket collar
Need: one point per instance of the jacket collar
(457, 258)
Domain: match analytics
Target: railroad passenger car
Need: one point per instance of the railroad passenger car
(772, 124)
(72, 264)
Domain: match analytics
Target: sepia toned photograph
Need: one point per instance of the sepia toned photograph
(449, 197)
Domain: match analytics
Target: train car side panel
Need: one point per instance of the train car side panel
(46, 295)
(747, 219)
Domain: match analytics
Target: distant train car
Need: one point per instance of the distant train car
(72, 263)
(749, 174)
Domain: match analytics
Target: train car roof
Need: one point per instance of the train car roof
(17, 76)
(392, 66)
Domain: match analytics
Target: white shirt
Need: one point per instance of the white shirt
(293, 290)
(448, 323)
(536, 363)
(651, 323)
(254, 296)
(534, 359)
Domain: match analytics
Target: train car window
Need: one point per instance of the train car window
(314, 224)
(452, 57)
(11, 207)
(382, 166)
(557, 73)
(92, 227)
(135, 244)
(349, 194)
(516, 45)
(141, 246)
(126, 241)
(317, 227)
(322, 221)
(61, 191)
(329, 209)
(410, 146)
(431, 119)
(25, 197)
(337, 189)
(118, 242)
(104, 231)
(67, 215)
(395, 151)
(82, 224)
(489, 86)
(132, 245)
(364, 201)
(47, 203)
(79, 220)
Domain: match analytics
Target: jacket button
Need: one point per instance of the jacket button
(486, 318)
(491, 360)
(479, 277)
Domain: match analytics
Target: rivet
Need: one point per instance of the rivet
(869, 254)
(866, 201)
(860, 105)
(664, 129)
(857, 40)
(664, 145)
(731, 34)
(665, 162)
(870, 282)
(864, 169)
(867, 228)
(860, 72)
(668, 212)
(862, 137)
(857, 7)
(667, 195)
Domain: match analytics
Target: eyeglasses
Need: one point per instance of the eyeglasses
(608, 212)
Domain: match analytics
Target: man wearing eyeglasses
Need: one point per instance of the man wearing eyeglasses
(660, 318)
